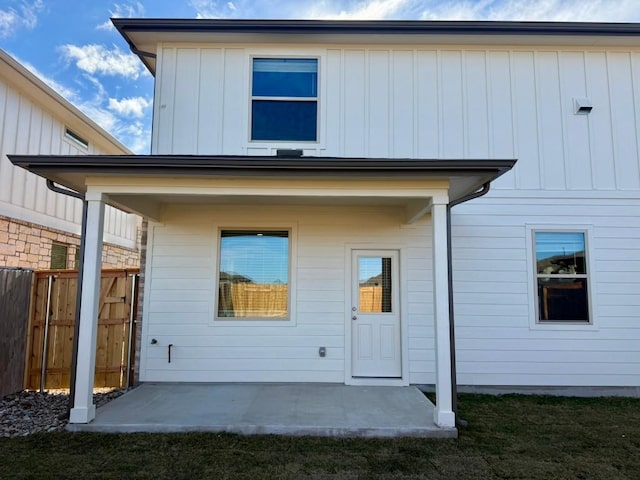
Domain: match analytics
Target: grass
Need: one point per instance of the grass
(508, 437)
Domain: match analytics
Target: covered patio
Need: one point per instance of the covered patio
(152, 185)
(266, 409)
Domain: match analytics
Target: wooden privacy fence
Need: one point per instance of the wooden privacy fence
(15, 289)
(51, 329)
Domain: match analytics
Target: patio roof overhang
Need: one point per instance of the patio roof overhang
(141, 182)
(162, 173)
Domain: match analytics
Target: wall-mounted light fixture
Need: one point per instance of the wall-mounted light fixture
(582, 106)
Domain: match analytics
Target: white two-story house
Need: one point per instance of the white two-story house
(40, 228)
(327, 198)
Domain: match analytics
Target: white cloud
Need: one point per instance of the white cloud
(123, 10)
(98, 59)
(550, 10)
(534, 10)
(206, 8)
(132, 107)
(364, 10)
(236, 8)
(24, 15)
(139, 137)
(65, 92)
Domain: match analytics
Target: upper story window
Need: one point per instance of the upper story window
(75, 138)
(284, 99)
(562, 277)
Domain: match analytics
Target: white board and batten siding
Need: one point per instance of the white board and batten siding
(27, 128)
(425, 103)
(471, 102)
(180, 305)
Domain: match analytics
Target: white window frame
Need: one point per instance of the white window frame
(75, 139)
(290, 320)
(319, 142)
(534, 321)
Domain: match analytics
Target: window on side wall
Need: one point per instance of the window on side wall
(562, 277)
(284, 99)
(253, 275)
(59, 255)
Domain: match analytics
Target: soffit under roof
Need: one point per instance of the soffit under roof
(143, 35)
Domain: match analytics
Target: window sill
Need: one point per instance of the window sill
(563, 326)
(253, 322)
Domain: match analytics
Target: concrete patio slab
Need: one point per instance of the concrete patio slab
(281, 409)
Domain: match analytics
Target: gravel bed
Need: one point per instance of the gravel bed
(30, 412)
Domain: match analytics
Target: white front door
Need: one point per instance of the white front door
(375, 314)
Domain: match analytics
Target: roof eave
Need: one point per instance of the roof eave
(356, 27)
(70, 170)
(143, 34)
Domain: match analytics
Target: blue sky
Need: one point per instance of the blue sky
(72, 46)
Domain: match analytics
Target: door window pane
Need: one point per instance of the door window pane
(375, 288)
(253, 280)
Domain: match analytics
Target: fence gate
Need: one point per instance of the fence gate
(50, 341)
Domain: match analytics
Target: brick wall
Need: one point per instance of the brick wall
(28, 245)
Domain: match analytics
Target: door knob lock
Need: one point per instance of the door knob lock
(354, 318)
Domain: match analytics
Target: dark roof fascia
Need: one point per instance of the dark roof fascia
(255, 165)
(127, 26)
(355, 27)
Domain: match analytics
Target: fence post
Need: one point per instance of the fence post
(134, 278)
(45, 343)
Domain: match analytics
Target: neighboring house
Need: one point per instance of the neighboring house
(39, 228)
(299, 187)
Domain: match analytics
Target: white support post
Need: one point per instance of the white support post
(443, 415)
(84, 410)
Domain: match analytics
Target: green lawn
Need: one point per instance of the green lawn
(508, 437)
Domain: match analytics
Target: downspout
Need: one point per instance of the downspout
(141, 53)
(76, 329)
(452, 333)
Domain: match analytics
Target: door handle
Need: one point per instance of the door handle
(354, 318)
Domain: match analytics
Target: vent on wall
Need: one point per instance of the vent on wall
(71, 135)
(582, 106)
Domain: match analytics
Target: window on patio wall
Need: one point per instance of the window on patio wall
(253, 276)
(562, 277)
